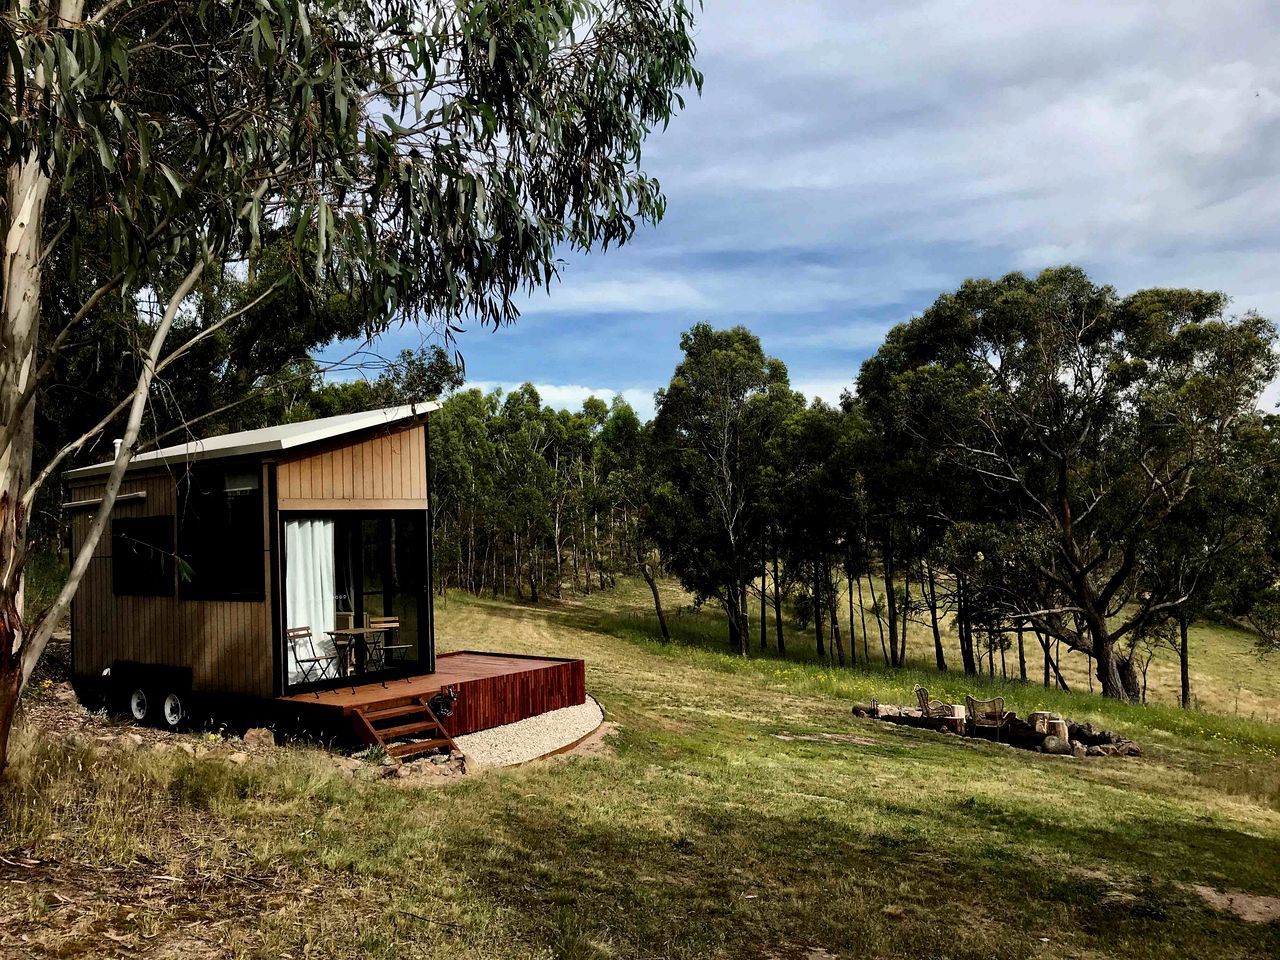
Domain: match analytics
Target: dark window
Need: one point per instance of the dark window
(220, 534)
(142, 556)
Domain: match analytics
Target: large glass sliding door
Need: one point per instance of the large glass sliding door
(343, 569)
(393, 583)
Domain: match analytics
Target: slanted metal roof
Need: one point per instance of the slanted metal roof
(286, 436)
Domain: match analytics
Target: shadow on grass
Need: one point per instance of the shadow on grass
(735, 882)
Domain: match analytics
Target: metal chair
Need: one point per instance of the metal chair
(309, 660)
(986, 714)
(931, 708)
(385, 649)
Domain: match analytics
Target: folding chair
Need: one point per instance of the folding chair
(313, 664)
(388, 650)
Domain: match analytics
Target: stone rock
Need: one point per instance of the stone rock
(439, 758)
(349, 764)
(259, 737)
(1130, 749)
(1079, 750)
(1093, 751)
(1057, 745)
(238, 757)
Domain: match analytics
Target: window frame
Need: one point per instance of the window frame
(192, 530)
(163, 585)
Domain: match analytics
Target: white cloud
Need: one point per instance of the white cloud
(853, 335)
(827, 389)
(639, 293)
(571, 396)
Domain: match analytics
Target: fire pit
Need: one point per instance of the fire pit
(1042, 732)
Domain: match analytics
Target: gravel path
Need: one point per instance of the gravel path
(529, 739)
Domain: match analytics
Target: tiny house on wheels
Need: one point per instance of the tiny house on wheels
(285, 572)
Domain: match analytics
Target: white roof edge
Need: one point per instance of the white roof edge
(286, 436)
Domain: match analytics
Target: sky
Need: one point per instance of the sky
(848, 162)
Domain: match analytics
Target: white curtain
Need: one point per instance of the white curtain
(308, 589)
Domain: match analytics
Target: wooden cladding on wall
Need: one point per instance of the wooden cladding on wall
(506, 698)
(227, 645)
(386, 471)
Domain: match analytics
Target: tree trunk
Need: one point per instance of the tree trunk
(1130, 680)
(556, 539)
(875, 604)
(646, 570)
(833, 615)
(26, 189)
(1051, 662)
(515, 566)
(866, 649)
(817, 613)
(764, 601)
(738, 630)
(853, 637)
(939, 655)
(1022, 656)
(891, 599)
(906, 612)
(1115, 685)
(964, 624)
(1183, 659)
(777, 600)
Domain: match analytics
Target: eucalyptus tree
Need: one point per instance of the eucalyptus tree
(629, 462)
(712, 428)
(1216, 547)
(1096, 418)
(430, 159)
(818, 509)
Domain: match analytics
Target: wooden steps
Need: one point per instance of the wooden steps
(390, 727)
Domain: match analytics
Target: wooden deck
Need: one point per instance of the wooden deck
(493, 689)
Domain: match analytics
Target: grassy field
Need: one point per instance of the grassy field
(742, 813)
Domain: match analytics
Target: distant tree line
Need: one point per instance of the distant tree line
(530, 501)
(1032, 462)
